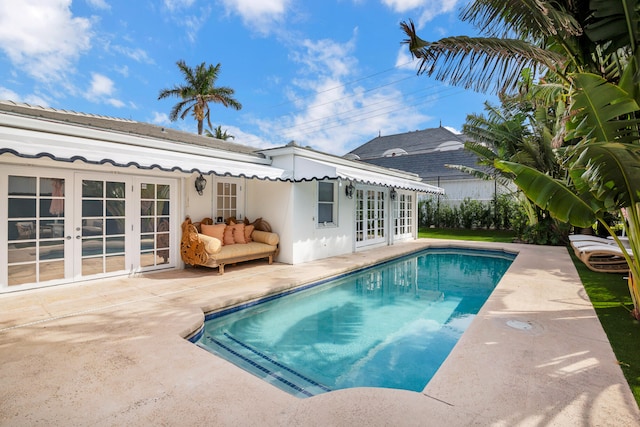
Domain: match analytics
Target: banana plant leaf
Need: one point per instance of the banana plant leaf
(604, 111)
(550, 194)
(612, 171)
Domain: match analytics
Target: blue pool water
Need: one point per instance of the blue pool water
(391, 325)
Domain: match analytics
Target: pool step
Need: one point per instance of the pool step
(263, 366)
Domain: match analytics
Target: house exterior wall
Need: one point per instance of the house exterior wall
(312, 241)
(274, 202)
(198, 206)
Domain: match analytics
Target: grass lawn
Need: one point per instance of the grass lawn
(476, 235)
(609, 295)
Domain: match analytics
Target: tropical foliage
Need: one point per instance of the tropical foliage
(585, 55)
(218, 133)
(197, 91)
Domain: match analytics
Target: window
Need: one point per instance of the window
(229, 200)
(326, 203)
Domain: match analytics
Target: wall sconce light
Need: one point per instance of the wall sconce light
(201, 183)
(393, 194)
(348, 190)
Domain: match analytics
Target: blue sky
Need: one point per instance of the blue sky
(328, 74)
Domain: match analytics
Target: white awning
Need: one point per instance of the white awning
(307, 169)
(165, 156)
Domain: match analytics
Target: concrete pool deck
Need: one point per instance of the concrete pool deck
(111, 353)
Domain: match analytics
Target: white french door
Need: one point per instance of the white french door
(65, 226)
(370, 216)
(101, 232)
(35, 238)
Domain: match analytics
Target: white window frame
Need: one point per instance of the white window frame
(238, 199)
(333, 203)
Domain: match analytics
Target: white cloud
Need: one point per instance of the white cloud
(99, 4)
(332, 114)
(42, 37)
(452, 130)
(33, 99)
(160, 118)
(8, 95)
(404, 60)
(174, 5)
(101, 89)
(137, 54)
(115, 102)
(123, 71)
(259, 15)
(191, 22)
(100, 85)
(401, 6)
(427, 9)
(194, 23)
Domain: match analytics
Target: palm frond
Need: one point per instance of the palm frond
(481, 63)
(533, 19)
(481, 150)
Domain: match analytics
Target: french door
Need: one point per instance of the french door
(370, 216)
(101, 233)
(36, 238)
(61, 226)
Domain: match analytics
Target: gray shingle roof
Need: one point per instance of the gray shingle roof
(124, 126)
(428, 151)
(420, 141)
(431, 165)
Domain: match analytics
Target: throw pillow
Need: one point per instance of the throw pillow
(228, 235)
(238, 233)
(216, 230)
(248, 229)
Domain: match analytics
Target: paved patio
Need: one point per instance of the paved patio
(112, 353)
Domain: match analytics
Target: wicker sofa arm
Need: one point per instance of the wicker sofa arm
(192, 249)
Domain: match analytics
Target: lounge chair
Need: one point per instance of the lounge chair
(583, 240)
(602, 257)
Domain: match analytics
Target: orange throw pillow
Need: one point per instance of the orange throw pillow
(216, 230)
(238, 233)
(228, 235)
(248, 229)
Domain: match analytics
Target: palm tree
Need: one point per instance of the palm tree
(591, 48)
(219, 134)
(197, 92)
(519, 130)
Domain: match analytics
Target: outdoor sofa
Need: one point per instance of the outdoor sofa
(216, 245)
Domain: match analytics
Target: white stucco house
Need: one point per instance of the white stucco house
(86, 197)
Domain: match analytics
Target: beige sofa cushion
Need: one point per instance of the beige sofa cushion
(265, 237)
(212, 245)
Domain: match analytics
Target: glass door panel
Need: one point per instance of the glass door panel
(155, 224)
(370, 216)
(36, 226)
(101, 230)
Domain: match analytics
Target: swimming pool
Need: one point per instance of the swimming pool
(391, 325)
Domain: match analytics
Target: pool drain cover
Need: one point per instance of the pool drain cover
(518, 324)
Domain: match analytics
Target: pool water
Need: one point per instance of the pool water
(390, 326)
